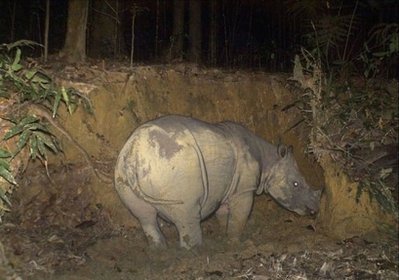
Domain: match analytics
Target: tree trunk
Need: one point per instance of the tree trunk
(134, 14)
(13, 9)
(46, 30)
(157, 30)
(75, 42)
(213, 31)
(195, 31)
(176, 44)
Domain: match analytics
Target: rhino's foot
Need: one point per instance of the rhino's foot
(222, 215)
(190, 234)
(233, 241)
(156, 246)
(154, 236)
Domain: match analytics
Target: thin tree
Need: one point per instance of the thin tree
(12, 11)
(46, 30)
(135, 10)
(176, 40)
(213, 31)
(157, 30)
(195, 33)
(134, 14)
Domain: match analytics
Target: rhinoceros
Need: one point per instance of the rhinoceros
(182, 170)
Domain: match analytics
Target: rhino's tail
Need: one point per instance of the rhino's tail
(204, 172)
(140, 193)
(134, 185)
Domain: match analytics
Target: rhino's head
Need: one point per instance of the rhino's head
(288, 187)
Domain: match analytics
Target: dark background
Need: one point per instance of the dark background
(252, 34)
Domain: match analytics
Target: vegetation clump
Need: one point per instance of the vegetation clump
(29, 101)
(350, 101)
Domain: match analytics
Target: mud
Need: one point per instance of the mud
(56, 232)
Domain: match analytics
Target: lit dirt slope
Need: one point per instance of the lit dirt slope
(75, 227)
(124, 99)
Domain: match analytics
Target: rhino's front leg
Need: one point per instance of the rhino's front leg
(239, 209)
(222, 215)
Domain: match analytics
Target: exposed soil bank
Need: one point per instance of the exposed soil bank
(122, 101)
(76, 227)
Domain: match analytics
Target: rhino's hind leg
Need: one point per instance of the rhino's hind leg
(190, 234)
(151, 229)
(188, 226)
(146, 214)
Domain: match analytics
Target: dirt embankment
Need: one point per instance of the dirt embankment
(74, 223)
(124, 100)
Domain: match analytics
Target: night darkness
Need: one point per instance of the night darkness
(250, 34)
(316, 79)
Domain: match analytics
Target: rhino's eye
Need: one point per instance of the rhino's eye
(295, 184)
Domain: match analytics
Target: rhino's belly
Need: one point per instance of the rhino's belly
(220, 184)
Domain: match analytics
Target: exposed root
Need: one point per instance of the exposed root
(39, 111)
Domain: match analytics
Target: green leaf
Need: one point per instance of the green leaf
(7, 175)
(48, 141)
(33, 147)
(13, 131)
(380, 54)
(21, 43)
(36, 127)
(17, 129)
(41, 148)
(30, 73)
(4, 197)
(65, 96)
(5, 164)
(45, 86)
(15, 66)
(56, 104)
(38, 79)
(4, 153)
(23, 139)
(27, 120)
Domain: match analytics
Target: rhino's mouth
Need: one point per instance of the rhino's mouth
(311, 211)
(306, 211)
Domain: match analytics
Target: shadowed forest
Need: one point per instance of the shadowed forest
(77, 77)
(262, 35)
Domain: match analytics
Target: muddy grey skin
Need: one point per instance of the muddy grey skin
(183, 170)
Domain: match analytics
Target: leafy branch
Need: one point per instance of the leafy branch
(32, 101)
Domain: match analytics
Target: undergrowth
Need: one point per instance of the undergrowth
(25, 91)
(350, 99)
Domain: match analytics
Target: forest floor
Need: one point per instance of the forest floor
(60, 235)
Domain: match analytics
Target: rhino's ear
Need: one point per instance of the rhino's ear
(284, 151)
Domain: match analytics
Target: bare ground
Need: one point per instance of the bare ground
(55, 232)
